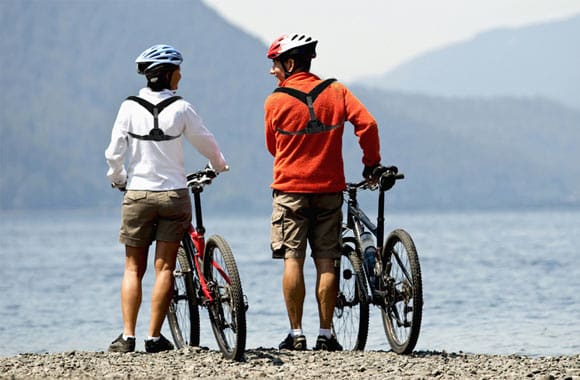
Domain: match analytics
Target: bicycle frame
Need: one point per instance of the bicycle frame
(356, 221)
(356, 216)
(196, 236)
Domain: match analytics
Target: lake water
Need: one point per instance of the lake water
(494, 282)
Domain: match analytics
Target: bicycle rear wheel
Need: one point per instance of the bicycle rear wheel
(227, 313)
(183, 313)
(350, 321)
(403, 306)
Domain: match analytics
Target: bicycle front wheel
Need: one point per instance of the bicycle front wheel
(227, 312)
(350, 321)
(403, 306)
(183, 313)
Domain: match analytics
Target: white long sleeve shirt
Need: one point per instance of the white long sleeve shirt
(157, 165)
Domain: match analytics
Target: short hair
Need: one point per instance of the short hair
(159, 80)
(302, 56)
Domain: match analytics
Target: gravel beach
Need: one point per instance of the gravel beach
(269, 363)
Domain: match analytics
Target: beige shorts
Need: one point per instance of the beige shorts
(298, 219)
(148, 216)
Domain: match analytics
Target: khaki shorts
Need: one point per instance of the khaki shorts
(301, 218)
(148, 216)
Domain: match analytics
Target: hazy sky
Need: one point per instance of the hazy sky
(362, 37)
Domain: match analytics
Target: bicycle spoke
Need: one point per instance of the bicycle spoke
(402, 266)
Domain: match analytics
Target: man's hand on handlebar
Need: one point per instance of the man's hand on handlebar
(386, 174)
(372, 173)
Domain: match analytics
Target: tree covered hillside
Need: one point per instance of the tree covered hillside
(480, 152)
(67, 66)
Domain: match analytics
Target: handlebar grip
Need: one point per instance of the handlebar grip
(388, 179)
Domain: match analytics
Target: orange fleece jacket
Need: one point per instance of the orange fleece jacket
(313, 163)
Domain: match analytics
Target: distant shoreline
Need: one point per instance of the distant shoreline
(262, 363)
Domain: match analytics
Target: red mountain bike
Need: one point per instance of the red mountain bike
(206, 275)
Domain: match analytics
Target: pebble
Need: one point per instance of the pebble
(270, 363)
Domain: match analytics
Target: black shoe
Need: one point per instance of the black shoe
(327, 344)
(122, 345)
(297, 343)
(161, 345)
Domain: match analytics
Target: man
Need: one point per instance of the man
(304, 134)
(147, 134)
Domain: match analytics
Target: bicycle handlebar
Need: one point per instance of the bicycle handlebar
(386, 179)
(201, 178)
(195, 180)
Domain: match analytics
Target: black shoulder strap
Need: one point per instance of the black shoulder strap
(314, 125)
(156, 134)
(153, 107)
(321, 87)
(302, 96)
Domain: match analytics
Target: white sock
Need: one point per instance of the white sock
(125, 337)
(153, 338)
(296, 332)
(325, 332)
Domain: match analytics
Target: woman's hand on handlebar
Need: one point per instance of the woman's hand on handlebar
(121, 186)
(204, 176)
(217, 171)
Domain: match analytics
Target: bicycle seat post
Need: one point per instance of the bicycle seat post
(352, 203)
(198, 215)
(381, 220)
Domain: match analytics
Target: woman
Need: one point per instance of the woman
(145, 158)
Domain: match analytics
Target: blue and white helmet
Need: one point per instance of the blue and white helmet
(157, 57)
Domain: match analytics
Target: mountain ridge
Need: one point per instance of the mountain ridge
(541, 59)
(71, 64)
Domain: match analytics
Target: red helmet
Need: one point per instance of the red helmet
(289, 42)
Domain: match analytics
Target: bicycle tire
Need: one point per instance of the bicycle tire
(183, 313)
(350, 321)
(403, 307)
(227, 313)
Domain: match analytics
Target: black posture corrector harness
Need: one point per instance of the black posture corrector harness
(156, 134)
(314, 125)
